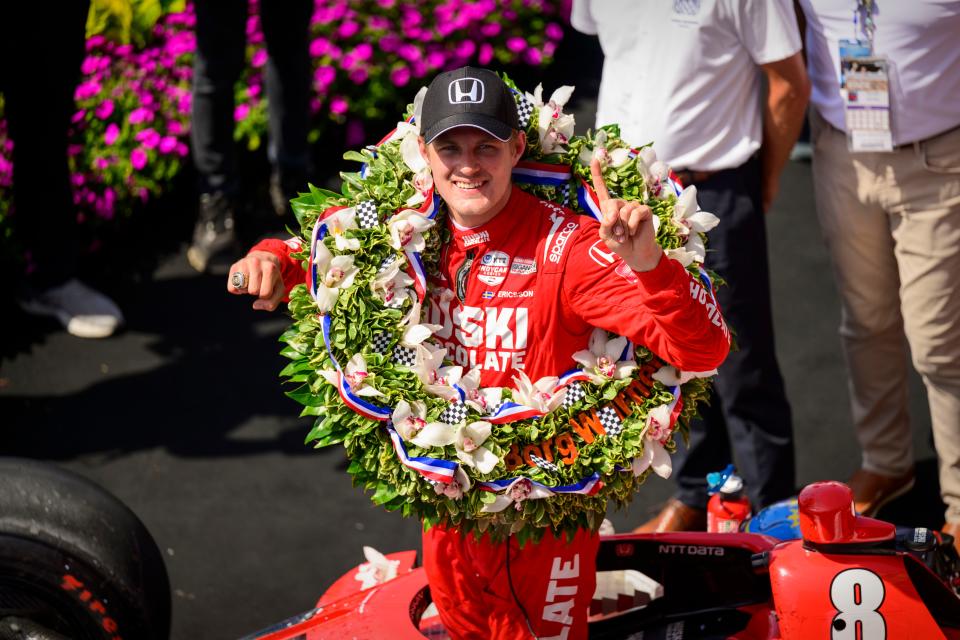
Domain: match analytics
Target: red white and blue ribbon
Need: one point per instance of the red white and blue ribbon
(356, 403)
(431, 468)
(430, 206)
(709, 284)
(573, 375)
(318, 234)
(588, 486)
(589, 201)
(511, 412)
(460, 392)
(674, 181)
(676, 406)
(418, 272)
(541, 173)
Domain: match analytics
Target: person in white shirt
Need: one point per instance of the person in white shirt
(687, 75)
(891, 222)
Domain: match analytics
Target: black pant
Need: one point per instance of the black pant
(218, 63)
(42, 49)
(748, 407)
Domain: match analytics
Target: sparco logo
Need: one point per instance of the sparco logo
(466, 91)
(557, 250)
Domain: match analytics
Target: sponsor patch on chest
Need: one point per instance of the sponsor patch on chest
(523, 266)
(480, 237)
(494, 266)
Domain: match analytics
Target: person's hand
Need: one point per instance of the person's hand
(627, 227)
(261, 270)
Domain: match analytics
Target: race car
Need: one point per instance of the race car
(845, 577)
(76, 563)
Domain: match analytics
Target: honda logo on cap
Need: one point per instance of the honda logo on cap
(466, 91)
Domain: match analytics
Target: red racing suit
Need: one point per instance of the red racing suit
(524, 292)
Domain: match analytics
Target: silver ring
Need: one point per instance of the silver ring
(239, 280)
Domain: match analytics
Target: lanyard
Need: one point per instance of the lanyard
(863, 18)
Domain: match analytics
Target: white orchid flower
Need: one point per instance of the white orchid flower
(436, 378)
(602, 360)
(429, 359)
(415, 334)
(392, 283)
(413, 315)
(692, 251)
(406, 230)
(483, 400)
(519, 490)
(655, 173)
(333, 275)
(656, 434)
(440, 382)
(418, 107)
(423, 183)
(376, 570)
(435, 434)
(555, 127)
(607, 157)
(670, 376)
(695, 246)
(688, 216)
(455, 488)
(619, 157)
(410, 152)
(338, 224)
(410, 419)
(681, 255)
(356, 376)
(470, 449)
(541, 395)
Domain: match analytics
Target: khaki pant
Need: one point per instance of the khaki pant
(891, 222)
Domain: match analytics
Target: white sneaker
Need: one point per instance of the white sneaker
(84, 312)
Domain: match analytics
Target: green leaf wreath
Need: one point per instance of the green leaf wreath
(435, 445)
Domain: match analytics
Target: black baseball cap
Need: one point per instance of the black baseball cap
(468, 97)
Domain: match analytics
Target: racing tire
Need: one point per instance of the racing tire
(75, 561)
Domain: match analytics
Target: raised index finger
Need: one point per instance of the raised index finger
(599, 185)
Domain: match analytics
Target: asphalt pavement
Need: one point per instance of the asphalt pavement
(183, 417)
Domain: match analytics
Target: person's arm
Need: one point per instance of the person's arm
(270, 272)
(666, 309)
(788, 91)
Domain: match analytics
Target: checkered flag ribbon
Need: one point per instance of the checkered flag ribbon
(574, 394)
(493, 410)
(544, 464)
(524, 110)
(381, 341)
(565, 192)
(610, 420)
(404, 356)
(454, 414)
(367, 214)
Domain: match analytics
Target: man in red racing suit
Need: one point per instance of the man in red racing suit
(521, 285)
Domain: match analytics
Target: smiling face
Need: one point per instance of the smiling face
(472, 172)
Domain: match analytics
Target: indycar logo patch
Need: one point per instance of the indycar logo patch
(493, 267)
